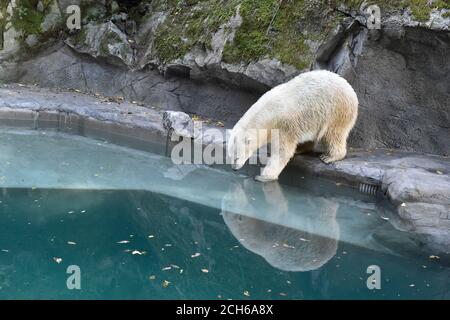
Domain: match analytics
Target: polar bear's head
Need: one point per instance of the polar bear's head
(241, 145)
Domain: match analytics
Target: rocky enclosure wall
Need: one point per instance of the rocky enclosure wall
(214, 58)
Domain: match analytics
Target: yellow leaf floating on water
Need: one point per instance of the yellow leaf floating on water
(205, 270)
(152, 277)
(246, 293)
(165, 284)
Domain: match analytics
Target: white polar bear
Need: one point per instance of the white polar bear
(316, 106)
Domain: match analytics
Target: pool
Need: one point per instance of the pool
(139, 227)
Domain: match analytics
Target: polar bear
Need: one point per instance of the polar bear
(303, 248)
(316, 106)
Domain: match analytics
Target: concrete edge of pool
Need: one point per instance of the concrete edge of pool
(418, 185)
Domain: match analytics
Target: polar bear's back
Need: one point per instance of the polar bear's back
(318, 95)
(320, 87)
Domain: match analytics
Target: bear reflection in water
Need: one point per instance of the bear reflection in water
(304, 247)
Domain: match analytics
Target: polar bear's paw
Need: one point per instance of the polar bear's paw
(326, 159)
(262, 178)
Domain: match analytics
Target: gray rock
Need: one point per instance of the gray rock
(430, 220)
(404, 94)
(178, 123)
(53, 18)
(62, 67)
(32, 40)
(104, 40)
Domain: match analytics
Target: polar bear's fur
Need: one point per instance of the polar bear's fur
(317, 106)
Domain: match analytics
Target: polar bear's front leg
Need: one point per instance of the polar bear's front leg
(275, 165)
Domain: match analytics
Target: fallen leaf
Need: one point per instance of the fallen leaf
(57, 260)
(71, 243)
(205, 270)
(246, 293)
(165, 284)
(153, 277)
(195, 255)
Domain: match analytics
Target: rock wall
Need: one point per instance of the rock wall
(214, 59)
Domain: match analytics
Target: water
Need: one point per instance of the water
(141, 228)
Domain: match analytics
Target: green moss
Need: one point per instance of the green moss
(80, 37)
(420, 9)
(279, 29)
(26, 17)
(111, 38)
(189, 23)
(270, 28)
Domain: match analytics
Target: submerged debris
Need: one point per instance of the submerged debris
(137, 252)
(57, 260)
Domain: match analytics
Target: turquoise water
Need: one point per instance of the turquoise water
(139, 227)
